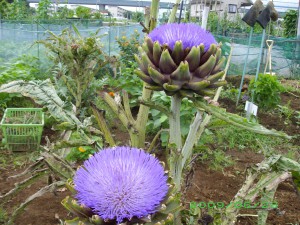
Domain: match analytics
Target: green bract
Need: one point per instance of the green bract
(190, 70)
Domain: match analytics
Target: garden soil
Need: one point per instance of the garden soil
(206, 184)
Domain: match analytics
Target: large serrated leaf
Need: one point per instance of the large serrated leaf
(239, 121)
(43, 93)
(286, 164)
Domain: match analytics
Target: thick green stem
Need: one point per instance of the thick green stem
(103, 126)
(174, 120)
(175, 141)
(204, 124)
(131, 125)
(78, 97)
(138, 139)
(172, 17)
(142, 119)
(191, 139)
(147, 18)
(154, 14)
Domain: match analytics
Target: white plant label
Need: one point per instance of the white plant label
(251, 108)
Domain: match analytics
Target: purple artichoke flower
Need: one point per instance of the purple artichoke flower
(189, 34)
(181, 58)
(121, 183)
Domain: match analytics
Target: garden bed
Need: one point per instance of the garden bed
(206, 184)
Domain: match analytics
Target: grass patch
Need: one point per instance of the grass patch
(216, 141)
(3, 215)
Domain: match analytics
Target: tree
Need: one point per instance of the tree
(43, 8)
(83, 12)
(138, 16)
(290, 23)
(17, 10)
(128, 14)
(64, 12)
(98, 16)
(3, 8)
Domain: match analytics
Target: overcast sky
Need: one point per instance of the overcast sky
(283, 5)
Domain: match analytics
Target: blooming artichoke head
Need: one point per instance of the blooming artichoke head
(120, 185)
(181, 58)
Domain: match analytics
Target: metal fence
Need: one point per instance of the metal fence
(285, 54)
(17, 38)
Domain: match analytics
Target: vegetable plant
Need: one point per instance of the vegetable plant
(132, 187)
(78, 59)
(184, 61)
(266, 91)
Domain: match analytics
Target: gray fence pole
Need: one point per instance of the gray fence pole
(37, 38)
(0, 26)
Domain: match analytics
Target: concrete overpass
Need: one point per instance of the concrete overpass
(103, 3)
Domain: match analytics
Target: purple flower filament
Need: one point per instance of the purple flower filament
(121, 183)
(190, 34)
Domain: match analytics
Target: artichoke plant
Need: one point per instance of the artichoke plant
(121, 185)
(181, 58)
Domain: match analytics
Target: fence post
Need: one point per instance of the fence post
(37, 38)
(109, 34)
(0, 26)
(298, 35)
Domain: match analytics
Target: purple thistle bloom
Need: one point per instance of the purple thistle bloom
(190, 34)
(121, 183)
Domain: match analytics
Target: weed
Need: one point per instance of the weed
(231, 137)
(230, 92)
(216, 158)
(197, 215)
(80, 154)
(3, 215)
(286, 111)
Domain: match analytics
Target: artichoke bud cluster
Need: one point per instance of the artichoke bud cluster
(179, 70)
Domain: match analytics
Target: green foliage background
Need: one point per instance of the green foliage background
(290, 23)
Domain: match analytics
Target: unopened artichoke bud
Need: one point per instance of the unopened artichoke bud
(181, 58)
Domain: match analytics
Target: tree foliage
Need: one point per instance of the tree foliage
(64, 12)
(16, 10)
(290, 23)
(138, 16)
(83, 12)
(42, 11)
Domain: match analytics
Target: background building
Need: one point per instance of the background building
(231, 7)
(116, 11)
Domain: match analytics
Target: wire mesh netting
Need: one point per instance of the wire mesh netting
(18, 37)
(285, 55)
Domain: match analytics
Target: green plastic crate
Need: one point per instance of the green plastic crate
(22, 128)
